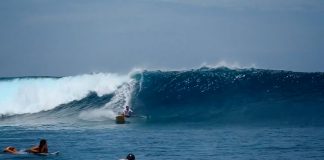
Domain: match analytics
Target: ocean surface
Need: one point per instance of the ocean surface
(205, 113)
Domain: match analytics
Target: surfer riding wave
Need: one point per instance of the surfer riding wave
(127, 112)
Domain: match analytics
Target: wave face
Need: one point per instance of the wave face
(227, 96)
(209, 95)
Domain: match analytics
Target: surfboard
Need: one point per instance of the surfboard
(48, 154)
(38, 154)
(120, 119)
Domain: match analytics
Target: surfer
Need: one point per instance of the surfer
(127, 112)
(41, 148)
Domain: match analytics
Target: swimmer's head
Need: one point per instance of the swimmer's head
(130, 157)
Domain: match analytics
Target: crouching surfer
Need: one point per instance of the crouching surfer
(41, 148)
(127, 112)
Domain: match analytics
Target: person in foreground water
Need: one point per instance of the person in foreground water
(127, 112)
(130, 156)
(41, 148)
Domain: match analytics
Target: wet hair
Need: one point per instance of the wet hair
(41, 146)
(130, 156)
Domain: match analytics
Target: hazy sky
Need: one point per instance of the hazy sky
(60, 37)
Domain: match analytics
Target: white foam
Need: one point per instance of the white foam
(110, 110)
(231, 65)
(31, 95)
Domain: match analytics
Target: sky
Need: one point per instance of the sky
(60, 37)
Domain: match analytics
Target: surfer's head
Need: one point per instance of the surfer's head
(42, 142)
(127, 107)
(130, 156)
(42, 146)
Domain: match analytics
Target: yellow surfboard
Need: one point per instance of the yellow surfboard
(120, 119)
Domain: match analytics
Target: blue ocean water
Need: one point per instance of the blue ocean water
(206, 113)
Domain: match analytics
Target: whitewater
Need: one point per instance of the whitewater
(35, 94)
(204, 113)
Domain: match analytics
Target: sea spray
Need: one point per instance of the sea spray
(121, 97)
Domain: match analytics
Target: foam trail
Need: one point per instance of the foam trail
(110, 110)
(31, 95)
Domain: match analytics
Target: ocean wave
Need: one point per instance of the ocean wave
(217, 95)
(225, 95)
(35, 94)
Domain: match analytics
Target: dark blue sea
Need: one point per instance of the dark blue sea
(206, 113)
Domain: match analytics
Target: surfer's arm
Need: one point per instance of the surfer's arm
(32, 150)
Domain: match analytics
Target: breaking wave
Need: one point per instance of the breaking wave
(213, 95)
(35, 94)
